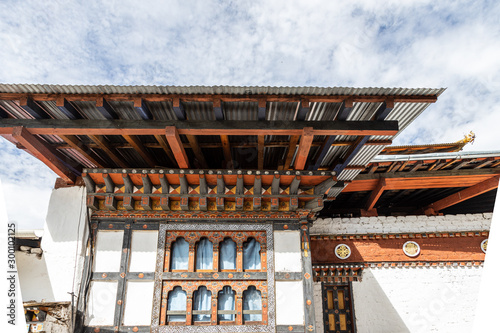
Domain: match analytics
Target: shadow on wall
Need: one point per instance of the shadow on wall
(66, 211)
(373, 310)
(33, 278)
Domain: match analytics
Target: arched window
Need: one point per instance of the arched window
(204, 254)
(201, 304)
(226, 303)
(252, 305)
(251, 254)
(176, 303)
(227, 254)
(180, 254)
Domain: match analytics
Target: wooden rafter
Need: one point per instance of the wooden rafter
(473, 191)
(162, 140)
(260, 151)
(136, 143)
(193, 142)
(226, 148)
(375, 194)
(103, 144)
(290, 151)
(79, 146)
(176, 146)
(44, 153)
(226, 127)
(304, 148)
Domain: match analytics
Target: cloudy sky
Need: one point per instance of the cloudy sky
(434, 44)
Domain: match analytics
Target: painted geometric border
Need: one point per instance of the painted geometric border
(164, 227)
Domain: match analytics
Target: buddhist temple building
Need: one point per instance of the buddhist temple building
(248, 209)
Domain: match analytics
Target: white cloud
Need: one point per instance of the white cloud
(318, 43)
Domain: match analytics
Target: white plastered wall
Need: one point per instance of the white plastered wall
(59, 271)
(289, 294)
(412, 299)
(423, 299)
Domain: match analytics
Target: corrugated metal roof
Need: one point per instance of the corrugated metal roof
(404, 113)
(196, 90)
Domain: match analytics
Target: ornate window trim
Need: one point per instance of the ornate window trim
(266, 285)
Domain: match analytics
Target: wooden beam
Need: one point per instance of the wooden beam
(384, 109)
(225, 97)
(225, 127)
(428, 179)
(304, 148)
(345, 109)
(89, 183)
(30, 106)
(147, 185)
(275, 185)
(165, 186)
(471, 192)
(179, 111)
(127, 182)
(218, 112)
(226, 147)
(136, 143)
(375, 194)
(162, 140)
(68, 109)
(176, 146)
(110, 186)
(203, 185)
(184, 184)
(193, 142)
(111, 152)
(291, 151)
(304, 108)
(105, 109)
(142, 109)
(323, 151)
(79, 146)
(45, 154)
(351, 153)
(221, 186)
(260, 152)
(240, 189)
(324, 186)
(294, 185)
(261, 113)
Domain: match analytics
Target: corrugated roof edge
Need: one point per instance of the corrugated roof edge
(229, 90)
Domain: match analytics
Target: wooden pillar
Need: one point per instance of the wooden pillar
(215, 256)
(307, 279)
(163, 310)
(239, 257)
(166, 265)
(264, 309)
(192, 246)
(215, 294)
(189, 308)
(239, 308)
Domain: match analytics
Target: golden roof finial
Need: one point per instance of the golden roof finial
(468, 138)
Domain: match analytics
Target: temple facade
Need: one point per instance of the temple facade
(248, 209)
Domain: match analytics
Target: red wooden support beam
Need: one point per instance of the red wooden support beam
(471, 192)
(177, 147)
(375, 194)
(44, 153)
(304, 147)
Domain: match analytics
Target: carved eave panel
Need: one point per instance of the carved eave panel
(212, 194)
